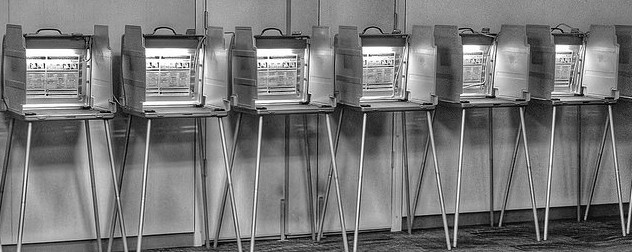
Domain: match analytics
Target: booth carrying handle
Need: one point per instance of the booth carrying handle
(372, 27)
(49, 29)
(272, 29)
(164, 28)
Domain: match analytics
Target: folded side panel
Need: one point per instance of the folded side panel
(321, 67)
(511, 74)
(133, 67)
(422, 64)
(216, 69)
(624, 39)
(244, 68)
(14, 68)
(348, 66)
(101, 87)
(542, 64)
(449, 63)
(601, 62)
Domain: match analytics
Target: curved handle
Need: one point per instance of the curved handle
(373, 27)
(466, 29)
(48, 29)
(557, 29)
(272, 29)
(164, 28)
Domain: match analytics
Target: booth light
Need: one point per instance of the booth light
(564, 48)
(377, 49)
(50, 52)
(152, 52)
(275, 52)
(474, 48)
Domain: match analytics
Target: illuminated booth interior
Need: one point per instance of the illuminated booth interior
(49, 74)
(572, 68)
(286, 70)
(174, 73)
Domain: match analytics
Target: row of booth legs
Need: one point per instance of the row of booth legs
(333, 174)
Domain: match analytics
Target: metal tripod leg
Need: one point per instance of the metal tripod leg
(118, 182)
(229, 179)
(143, 199)
(438, 178)
(93, 186)
(550, 174)
(5, 165)
(323, 211)
(616, 170)
(579, 163)
(597, 167)
(222, 205)
(116, 186)
(310, 185)
(253, 225)
(359, 196)
(202, 140)
(491, 166)
(458, 180)
(29, 134)
(422, 168)
(514, 156)
(409, 213)
(285, 206)
(529, 174)
(334, 166)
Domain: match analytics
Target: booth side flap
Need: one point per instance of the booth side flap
(542, 63)
(348, 66)
(321, 67)
(133, 67)
(14, 68)
(511, 77)
(601, 62)
(244, 68)
(624, 39)
(421, 83)
(102, 70)
(216, 72)
(449, 62)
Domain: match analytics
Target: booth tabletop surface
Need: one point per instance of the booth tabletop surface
(176, 112)
(285, 109)
(575, 100)
(391, 106)
(62, 115)
(485, 103)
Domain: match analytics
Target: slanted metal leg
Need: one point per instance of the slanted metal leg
(422, 168)
(323, 211)
(341, 214)
(253, 225)
(529, 174)
(25, 182)
(550, 174)
(143, 199)
(202, 139)
(5, 166)
(116, 186)
(222, 206)
(285, 205)
(438, 178)
(359, 196)
(310, 185)
(118, 182)
(458, 180)
(616, 170)
(229, 179)
(93, 185)
(579, 163)
(514, 156)
(597, 167)
(409, 213)
(491, 167)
